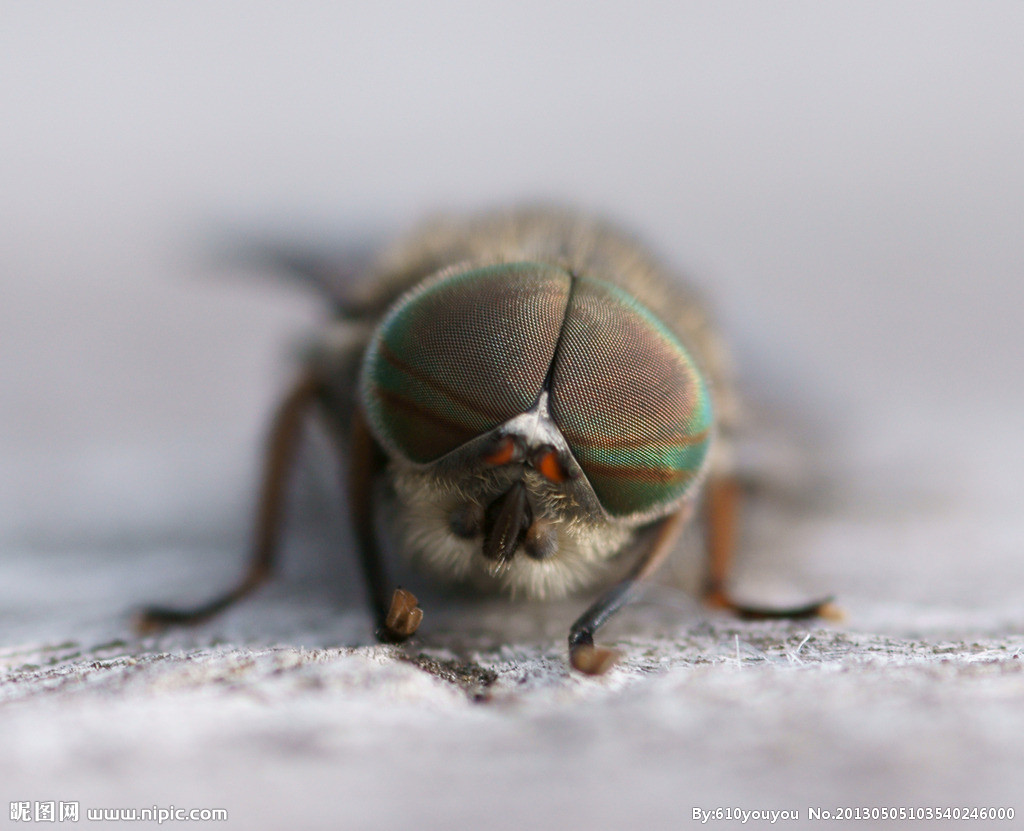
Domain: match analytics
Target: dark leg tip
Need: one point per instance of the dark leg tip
(155, 619)
(824, 608)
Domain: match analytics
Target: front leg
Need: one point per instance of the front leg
(397, 617)
(596, 660)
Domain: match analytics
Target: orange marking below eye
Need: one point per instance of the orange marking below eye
(550, 468)
(503, 454)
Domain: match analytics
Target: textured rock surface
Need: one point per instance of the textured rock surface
(282, 711)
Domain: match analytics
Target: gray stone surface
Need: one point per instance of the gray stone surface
(286, 714)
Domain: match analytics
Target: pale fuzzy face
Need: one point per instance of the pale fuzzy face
(424, 507)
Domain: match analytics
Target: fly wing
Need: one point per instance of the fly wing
(342, 275)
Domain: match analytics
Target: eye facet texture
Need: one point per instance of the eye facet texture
(463, 354)
(629, 401)
(466, 352)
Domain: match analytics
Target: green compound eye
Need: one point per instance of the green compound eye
(629, 400)
(466, 351)
(461, 354)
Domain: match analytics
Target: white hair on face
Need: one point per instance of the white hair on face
(423, 512)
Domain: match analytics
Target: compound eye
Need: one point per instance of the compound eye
(629, 400)
(461, 354)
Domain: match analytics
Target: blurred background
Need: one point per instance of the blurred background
(844, 180)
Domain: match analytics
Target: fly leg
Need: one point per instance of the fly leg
(722, 502)
(596, 660)
(398, 617)
(282, 445)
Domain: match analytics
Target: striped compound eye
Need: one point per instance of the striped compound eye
(466, 351)
(460, 355)
(629, 401)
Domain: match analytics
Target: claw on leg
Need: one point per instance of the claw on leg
(149, 622)
(403, 618)
(596, 660)
(827, 610)
(593, 660)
